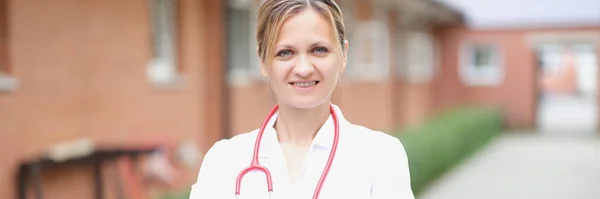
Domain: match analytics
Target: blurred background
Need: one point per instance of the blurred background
(121, 99)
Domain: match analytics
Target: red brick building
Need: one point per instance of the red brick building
(516, 87)
(132, 72)
(75, 69)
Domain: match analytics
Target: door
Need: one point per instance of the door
(567, 84)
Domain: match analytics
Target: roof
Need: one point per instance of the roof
(519, 13)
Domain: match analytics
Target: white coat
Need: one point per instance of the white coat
(368, 165)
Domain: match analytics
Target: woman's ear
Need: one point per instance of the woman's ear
(345, 54)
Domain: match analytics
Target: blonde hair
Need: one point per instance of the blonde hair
(272, 14)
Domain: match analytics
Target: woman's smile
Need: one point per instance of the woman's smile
(304, 86)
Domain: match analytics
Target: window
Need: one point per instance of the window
(481, 64)
(586, 63)
(163, 69)
(243, 59)
(369, 40)
(421, 57)
(7, 81)
(370, 52)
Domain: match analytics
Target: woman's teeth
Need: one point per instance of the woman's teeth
(305, 84)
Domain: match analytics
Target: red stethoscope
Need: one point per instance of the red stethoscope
(255, 165)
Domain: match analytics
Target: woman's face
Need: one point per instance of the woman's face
(307, 61)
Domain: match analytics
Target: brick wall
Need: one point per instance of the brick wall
(82, 72)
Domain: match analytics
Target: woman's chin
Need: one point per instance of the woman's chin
(306, 103)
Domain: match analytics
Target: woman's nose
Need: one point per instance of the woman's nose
(304, 67)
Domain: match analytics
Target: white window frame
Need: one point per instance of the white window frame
(371, 55)
(401, 52)
(422, 57)
(246, 75)
(8, 83)
(489, 75)
(163, 69)
(367, 39)
(587, 74)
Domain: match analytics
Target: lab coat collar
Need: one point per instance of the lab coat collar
(323, 139)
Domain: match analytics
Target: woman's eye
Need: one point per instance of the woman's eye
(321, 50)
(284, 53)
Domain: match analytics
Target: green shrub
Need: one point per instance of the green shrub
(181, 195)
(443, 141)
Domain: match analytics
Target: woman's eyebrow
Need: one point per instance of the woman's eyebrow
(312, 45)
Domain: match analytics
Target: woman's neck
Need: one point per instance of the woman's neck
(299, 126)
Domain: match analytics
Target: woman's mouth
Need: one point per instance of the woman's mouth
(304, 85)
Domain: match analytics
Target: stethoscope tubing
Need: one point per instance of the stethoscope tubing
(255, 164)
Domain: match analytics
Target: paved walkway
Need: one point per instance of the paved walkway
(568, 115)
(518, 166)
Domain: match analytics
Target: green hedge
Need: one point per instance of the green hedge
(181, 195)
(443, 141)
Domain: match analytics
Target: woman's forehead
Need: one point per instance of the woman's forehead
(308, 26)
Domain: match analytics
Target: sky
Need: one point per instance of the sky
(515, 13)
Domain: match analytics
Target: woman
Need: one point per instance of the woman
(303, 51)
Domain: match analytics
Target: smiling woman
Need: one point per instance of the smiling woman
(308, 148)
(307, 58)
